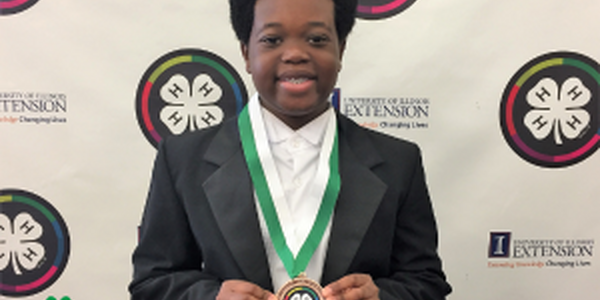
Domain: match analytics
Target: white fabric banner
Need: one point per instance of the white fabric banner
(435, 73)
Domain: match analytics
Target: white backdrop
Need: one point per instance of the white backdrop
(458, 55)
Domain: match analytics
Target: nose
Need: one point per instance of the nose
(295, 53)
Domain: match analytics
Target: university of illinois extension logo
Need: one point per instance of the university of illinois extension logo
(550, 109)
(187, 90)
(8, 7)
(381, 9)
(499, 245)
(34, 243)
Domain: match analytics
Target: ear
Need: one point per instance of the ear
(341, 54)
(245, 54)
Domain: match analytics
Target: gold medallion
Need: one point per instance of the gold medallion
(300, 288)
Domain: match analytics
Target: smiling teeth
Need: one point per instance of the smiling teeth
(297, 80)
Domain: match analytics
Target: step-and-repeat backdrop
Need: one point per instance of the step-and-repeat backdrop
(502, 96)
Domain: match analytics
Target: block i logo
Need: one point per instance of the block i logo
(499, 245)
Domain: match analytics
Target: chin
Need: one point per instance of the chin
(300, 111)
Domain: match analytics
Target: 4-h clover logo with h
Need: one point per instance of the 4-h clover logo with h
(558, 110)
(550, 110)
(187, 90)
(34, 243)
(191, 106)
(19, 247)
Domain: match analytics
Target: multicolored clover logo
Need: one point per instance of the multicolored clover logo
(301, 293)
(34, 243)
(381, 9)
(9, 7)
(550, 110)
(187, 90)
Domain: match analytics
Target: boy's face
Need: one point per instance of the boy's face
(294, 56)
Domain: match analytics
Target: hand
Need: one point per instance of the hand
(352, 287)
(243, 290)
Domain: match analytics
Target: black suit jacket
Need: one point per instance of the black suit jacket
(200, 225)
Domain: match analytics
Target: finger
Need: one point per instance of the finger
(366, 291)
(346, 282)
(352, 287)
(271, 296)
(239, 289)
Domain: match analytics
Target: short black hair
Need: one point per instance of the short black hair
(241, 13)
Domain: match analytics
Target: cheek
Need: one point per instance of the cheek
(261, 68)
(329, 69)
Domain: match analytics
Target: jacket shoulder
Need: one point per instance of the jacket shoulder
(188, 148)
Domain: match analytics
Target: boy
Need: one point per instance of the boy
(290, 189)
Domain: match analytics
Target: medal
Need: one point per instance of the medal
(300, 288)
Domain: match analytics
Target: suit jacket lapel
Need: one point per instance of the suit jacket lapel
(360, 196)
(230, 194)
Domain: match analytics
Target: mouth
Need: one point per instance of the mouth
(296, 77)
(297, 83)
(295, 80)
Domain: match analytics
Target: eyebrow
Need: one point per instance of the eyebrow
(310, 25)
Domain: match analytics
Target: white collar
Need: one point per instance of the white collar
(313, 131)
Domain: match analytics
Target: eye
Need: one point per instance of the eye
(270, 40)
(318, 40)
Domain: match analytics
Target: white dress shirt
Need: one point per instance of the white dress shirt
(296, 156)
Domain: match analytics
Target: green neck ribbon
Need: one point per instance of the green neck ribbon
(293, 266)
